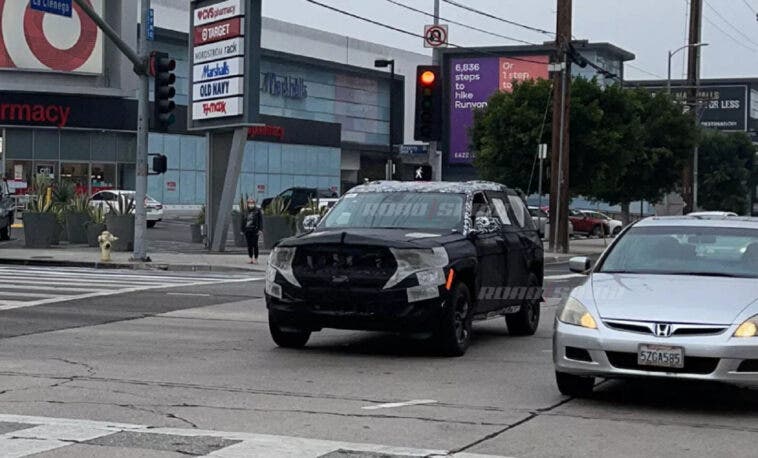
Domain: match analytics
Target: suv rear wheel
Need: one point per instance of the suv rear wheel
(526, 321)
(286, 339)
(454, 333)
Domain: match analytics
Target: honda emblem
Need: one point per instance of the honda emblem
(662, 330)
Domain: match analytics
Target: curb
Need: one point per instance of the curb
(130, 265)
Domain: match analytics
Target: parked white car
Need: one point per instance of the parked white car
(712, 214)
(153, 207)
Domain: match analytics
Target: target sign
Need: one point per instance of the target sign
(435, 36)
(34, 40)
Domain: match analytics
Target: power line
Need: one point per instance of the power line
(717, 27)
(640, 69)
(517, 40)
(492, 16)
(729, 23)
(750, 6)
(417, 35)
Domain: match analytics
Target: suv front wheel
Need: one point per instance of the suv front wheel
(454, 333)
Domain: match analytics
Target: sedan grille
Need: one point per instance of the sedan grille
(692, 364)
(646, 327)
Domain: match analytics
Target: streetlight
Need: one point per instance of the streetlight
(384, 63)
(671, 54)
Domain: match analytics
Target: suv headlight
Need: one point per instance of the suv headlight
(575, 313)
(281, 260)
(748, 329)
(425, 262)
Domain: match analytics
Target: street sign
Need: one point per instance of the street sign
(151, 25)
(543, 150)
(435, 36)
(57, 7)
(414, 149)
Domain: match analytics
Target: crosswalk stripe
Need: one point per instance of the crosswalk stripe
(28, 287)
(47, 434)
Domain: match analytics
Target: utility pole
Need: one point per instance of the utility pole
(559, 160)
(140, 62)
(435, 160)
(689, 174)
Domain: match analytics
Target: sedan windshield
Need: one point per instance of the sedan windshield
(675, 250)
(401, 210)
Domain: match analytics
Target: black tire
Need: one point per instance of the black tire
(597, 231)
(616, 230)
(526, 321)
(454, 334)
(287, 339)
(151, 223)
(574, 385)
(5, 233)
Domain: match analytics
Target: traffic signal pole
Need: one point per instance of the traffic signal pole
(140, 62)
(435, 159)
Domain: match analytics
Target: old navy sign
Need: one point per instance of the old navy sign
(221, 50)
(218, 69)
(218, 12)
(220, 108)
(218, 88)
(218, 31)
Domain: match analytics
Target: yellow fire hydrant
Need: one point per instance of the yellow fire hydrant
(106, 240)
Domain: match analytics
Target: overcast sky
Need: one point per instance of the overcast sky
(647, 28)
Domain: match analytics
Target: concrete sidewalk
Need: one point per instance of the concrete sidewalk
(197, 261)
(81, 256)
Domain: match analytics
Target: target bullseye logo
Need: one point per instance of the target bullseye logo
(41, 41)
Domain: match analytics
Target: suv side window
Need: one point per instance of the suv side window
(480, 207)
(519, 210)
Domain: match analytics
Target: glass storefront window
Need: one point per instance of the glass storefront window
(103, 176)
(126, 176)
(76, 173)
(19, 175)
(46, 168)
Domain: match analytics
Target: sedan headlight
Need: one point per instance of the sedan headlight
(575, 313)
(427, 263)
(281, 260)
(748, 329)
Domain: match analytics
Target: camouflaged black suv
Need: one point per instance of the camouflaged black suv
(410, 257)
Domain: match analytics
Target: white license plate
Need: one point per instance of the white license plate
(660, 356)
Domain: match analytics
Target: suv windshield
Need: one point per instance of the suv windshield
(680, 250)
(400, 210)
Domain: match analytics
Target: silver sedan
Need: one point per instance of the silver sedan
(673, 297)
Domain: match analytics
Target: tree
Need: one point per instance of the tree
(625, 145)
(725, 171)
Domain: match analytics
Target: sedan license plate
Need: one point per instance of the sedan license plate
(660, 356)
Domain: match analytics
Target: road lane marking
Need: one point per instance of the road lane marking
(189, 294)
(393, 405)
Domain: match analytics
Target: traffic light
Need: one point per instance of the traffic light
(422, 173)
(162, 69)
(160, 163)
(428, 121)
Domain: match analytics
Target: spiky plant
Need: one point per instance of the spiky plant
(124, 205)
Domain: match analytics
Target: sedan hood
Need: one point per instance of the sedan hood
(395, 238)
(672, 298)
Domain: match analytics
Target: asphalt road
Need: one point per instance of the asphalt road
(192, 356)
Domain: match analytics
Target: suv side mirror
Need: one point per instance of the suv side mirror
(580, 264)
(310, 222)
(485, 225)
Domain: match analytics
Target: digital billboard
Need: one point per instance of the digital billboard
(473, 80)
(40, 41)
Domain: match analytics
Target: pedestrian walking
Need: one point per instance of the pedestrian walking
(251, 227)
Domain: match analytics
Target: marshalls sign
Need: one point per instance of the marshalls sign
(224, 42)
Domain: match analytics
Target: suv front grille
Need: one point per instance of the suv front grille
(692, 364)
(343, 265)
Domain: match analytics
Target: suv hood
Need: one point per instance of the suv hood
(395, 238)
(672, 298)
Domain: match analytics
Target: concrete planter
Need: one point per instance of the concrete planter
(197, 233)
(93, 232)
(121, 226)
(276, 228)
(239, 237)
(39, 229)
(76, 229)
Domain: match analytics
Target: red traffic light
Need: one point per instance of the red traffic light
(427, 78)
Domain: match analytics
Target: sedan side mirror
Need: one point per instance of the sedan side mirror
(310, 222)
(581, 264)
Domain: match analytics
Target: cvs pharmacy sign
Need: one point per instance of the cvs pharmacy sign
(218, 12)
